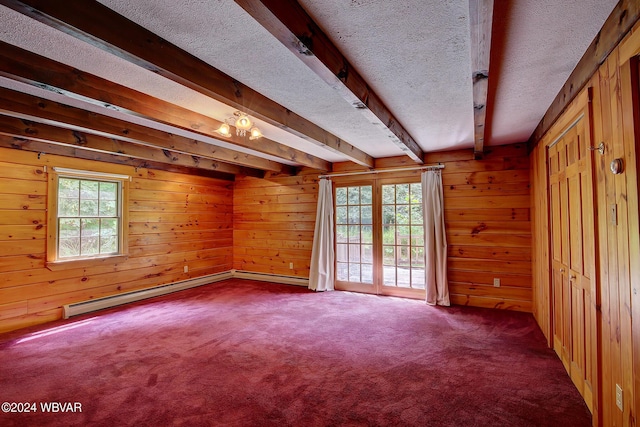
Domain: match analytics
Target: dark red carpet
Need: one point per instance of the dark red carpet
(244, 353)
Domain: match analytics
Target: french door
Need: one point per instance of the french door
(380, 237)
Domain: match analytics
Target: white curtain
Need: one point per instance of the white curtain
(435, 240)
(322, 269)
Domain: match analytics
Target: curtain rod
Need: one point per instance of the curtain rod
(331, 175)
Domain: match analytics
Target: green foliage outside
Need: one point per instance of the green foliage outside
(402, 221)
(87, 217)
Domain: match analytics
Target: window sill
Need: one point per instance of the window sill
(88, 262)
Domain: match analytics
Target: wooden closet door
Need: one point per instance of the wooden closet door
(573, 242)
(559, 202)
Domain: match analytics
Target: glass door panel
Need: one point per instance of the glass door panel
(402, 236)
(354, 234)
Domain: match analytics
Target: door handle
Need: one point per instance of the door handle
(572, 276)
(562, 270)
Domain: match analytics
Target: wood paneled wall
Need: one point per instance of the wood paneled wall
(273, 223)
(175, 220)
(487, 215)
(486, 211)
(615, 109)
(541, 267)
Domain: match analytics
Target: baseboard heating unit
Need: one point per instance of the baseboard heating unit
(115, 300)
(275, 278)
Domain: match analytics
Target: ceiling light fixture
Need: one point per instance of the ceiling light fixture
(224, 130)
(255, 133)
(242, 123)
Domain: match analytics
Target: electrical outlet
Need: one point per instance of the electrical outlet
(496, 282)
(291, 266)
(619, 402)
(186, 268)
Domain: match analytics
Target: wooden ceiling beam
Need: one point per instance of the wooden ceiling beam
(27, 67)
(27, 129)
(102, 27)
(27, 106)
(293, 27)
(45, 148)
(481, 22)
(623, 17)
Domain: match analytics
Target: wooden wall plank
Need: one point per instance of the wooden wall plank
(13, 309)
(505, 292)
(486, 278)
(481, 214)
(22, 217)
(277, 208)
(487, 252)
(20, 171)
(517, 176)
(491, 202)
(25, 262)
(189, 236)
(184, 207)
(486, 302)
(26, 247)
(22, 201)
(489, 227)
(509, 240)
(22, 232)
(180, 218)
(27, 320)
(202, 199)
(494, 265)
(156, 227)
(476, 190)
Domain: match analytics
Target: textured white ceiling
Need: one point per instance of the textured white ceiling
(543, 42)
(415, 54)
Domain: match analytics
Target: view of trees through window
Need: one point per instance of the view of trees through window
(88, 217)
(402, 236)
(354, 234)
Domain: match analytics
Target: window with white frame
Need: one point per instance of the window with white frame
(87, 214)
